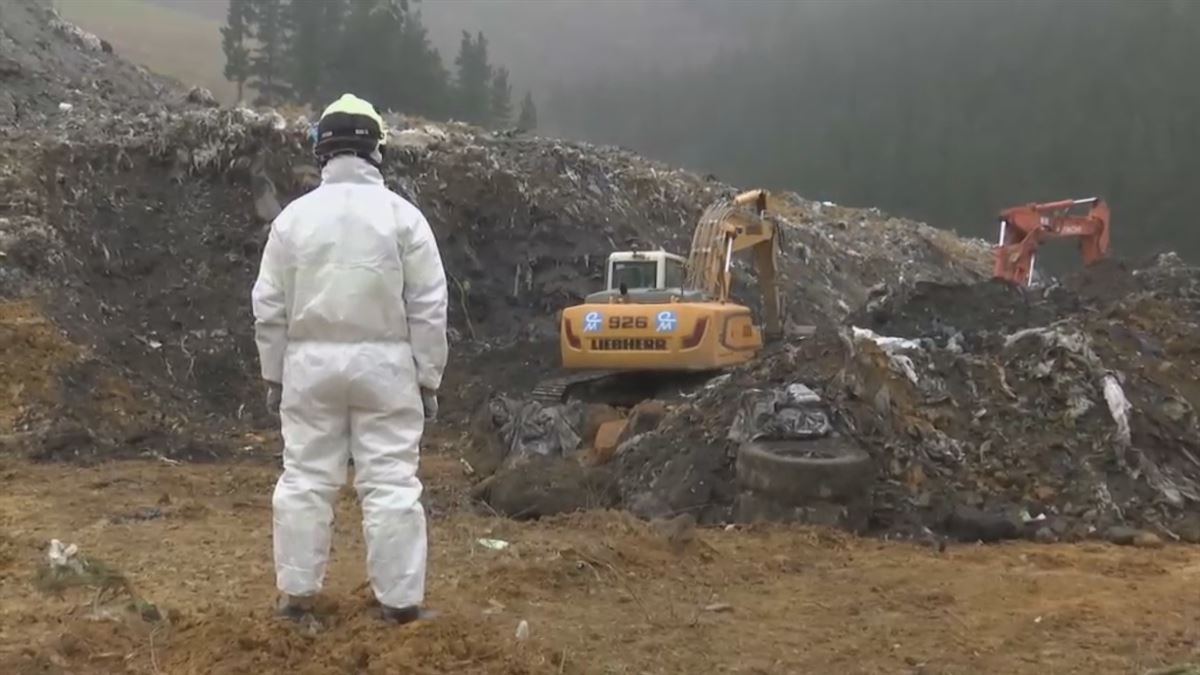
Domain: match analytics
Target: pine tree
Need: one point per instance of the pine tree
(333, 21)
(420, 78)
(501, 99)
(233, 42)
(312, 51)
(269, 67)
(362, 58)
(474, 79)
(527, 119)
(309, 50)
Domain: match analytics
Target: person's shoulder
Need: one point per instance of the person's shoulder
(406, 211)
(305, 203)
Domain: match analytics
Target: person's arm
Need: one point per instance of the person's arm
(269, 301)
(425, 304)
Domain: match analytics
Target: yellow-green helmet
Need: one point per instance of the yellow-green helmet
(350, 126)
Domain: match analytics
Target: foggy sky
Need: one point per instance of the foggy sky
(546, 42)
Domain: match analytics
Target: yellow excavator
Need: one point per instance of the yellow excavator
(661, 314)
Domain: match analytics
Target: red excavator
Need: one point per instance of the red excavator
(1024, 228)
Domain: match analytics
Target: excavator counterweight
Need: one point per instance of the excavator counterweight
(1024, 228)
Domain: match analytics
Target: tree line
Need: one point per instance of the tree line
(942, 111)
(310, 52)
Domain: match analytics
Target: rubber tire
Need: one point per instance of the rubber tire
(787, 472)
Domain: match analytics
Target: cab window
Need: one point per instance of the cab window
(634, 274)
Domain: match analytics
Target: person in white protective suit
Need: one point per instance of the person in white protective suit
(350, 321)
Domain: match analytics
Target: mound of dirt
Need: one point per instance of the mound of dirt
(28, 383)
(54, 74)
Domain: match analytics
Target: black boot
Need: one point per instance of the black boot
(295, 607)
(401, 615)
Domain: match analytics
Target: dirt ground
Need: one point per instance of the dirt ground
(601, 592)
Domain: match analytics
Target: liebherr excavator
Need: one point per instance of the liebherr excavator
(662, 315)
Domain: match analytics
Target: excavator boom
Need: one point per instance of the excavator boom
(728, 228)
(1024, 228)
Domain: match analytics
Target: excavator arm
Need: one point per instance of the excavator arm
(731, 227)
(1024, 228)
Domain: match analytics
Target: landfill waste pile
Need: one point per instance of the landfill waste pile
(135, 214)
(987, 413)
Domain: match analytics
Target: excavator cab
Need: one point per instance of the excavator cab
(644, 270)
(644, 277)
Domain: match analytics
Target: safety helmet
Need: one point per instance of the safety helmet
(350, 126)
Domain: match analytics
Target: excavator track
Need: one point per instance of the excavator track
(554, 391)
(617, 388)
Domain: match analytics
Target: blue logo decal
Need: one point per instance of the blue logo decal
(592, 322)
(667, 322)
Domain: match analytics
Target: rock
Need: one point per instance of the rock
(10, 68)
(969, 524)
(645, 417)
(1045, 535)
(202, 96)
(545, 486)
(1147, 540)
(1129, 536)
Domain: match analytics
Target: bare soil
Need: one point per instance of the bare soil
(601, 592)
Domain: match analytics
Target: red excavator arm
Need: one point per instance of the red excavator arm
(1024, 228)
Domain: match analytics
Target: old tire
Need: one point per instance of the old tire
(796, 473)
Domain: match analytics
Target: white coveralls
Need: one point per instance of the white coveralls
(350, 317)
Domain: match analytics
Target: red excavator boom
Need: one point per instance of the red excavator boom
(1024, 228)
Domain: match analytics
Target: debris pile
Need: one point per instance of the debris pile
(137, 217)
(988, 412)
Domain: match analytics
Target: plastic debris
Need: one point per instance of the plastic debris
(65, 557)
(1118, 407)
(493, 544)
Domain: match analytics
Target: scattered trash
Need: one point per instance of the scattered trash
(719, 607)
(779, 414)
(523, 630)
(64, 557)
(493, 544)
(1118, 407)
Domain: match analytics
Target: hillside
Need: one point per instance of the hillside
(169, 40)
